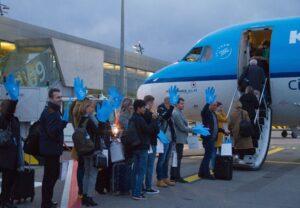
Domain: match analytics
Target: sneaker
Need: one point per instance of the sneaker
(169, 182)
(142, 197)
(152, 191)
(161, 184)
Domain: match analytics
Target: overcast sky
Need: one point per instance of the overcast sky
(166, 28)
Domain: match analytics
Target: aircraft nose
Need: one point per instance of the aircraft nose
(144, 89)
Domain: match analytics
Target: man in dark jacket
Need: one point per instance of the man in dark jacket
(51, 144)
(209, 119)
(140, 152)
(150, 118)
(254, 75)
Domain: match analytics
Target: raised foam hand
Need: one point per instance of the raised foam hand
(80, 89)
(67, 111)
(163, 137)
(104, 111)
(12, 87)
(115, 97)
(210, 95)
(200, 129)
(173, 94)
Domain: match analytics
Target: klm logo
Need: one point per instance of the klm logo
(294, 37)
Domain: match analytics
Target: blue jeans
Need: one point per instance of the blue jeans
(150, 168)
(209, 147)
(80, 174)
(213, 158)
(162, 166)
(140, 165)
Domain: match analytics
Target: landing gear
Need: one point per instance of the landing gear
(284, 133)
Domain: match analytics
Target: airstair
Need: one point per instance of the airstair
(263, 122)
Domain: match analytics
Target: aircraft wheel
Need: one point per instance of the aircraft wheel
(284, 133)
(294, 135)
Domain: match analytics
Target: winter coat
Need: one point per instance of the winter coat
(234, 128)
(52, 131)
(255, 76)
(11, 157)
(181, 126)
(221, 116)
(250, 104)
(148, 116)
(166, 122)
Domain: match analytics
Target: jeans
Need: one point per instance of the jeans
(175, 171)
(209, 147)
(213, 158)
(90, 176)
(51, 174)
(162, 166)
(80, 175)
(140, 165)
(150, 168)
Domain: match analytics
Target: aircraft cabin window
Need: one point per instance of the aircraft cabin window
(199, 54)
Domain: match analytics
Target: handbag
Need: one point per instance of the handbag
(99, 160)
(116, 152)
(6, 139)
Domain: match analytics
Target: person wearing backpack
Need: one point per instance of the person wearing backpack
(52, 124)
(89, 126)
(11, 153)
(241, 129)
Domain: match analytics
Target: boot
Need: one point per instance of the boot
(92, 202)
(84, 201)
(161, 184)
(168, 182)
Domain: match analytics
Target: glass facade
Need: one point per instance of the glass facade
(32, 66)
(135, 77)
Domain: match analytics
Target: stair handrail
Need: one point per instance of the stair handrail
(262, 97)
(231, 103)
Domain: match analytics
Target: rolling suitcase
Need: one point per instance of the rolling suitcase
(121, 178)
(23, 187)
(223, 167)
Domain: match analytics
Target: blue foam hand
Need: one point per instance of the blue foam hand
(200, 129)
(80, 89)
(67, 111)
(115, 97)
(12, 87)
(210, 95)
(163, 137)
(104, 111)
(173, 94)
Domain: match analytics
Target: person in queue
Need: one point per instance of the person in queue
(181, 130)
(140, 152)
(242, 145)
(88, 122)
(151, 118)
(222, 119)
(11, 153)
(51, 143)
(165, 111)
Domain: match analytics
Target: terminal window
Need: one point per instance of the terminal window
(32, 66)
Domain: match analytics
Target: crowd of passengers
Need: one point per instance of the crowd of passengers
(148, 121)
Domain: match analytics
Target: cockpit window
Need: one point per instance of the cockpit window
(194, 55)
(199, 54)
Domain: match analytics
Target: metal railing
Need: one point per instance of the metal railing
(261, 99)
(231, 103)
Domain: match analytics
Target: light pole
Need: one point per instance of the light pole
(123, 83)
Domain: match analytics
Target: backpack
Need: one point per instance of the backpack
(32, 142)
(130, 137)
(6, 138)
(245, 127)
(82, 144)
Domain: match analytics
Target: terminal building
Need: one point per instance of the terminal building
(41, 57)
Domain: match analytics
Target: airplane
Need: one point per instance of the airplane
(219, 59)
